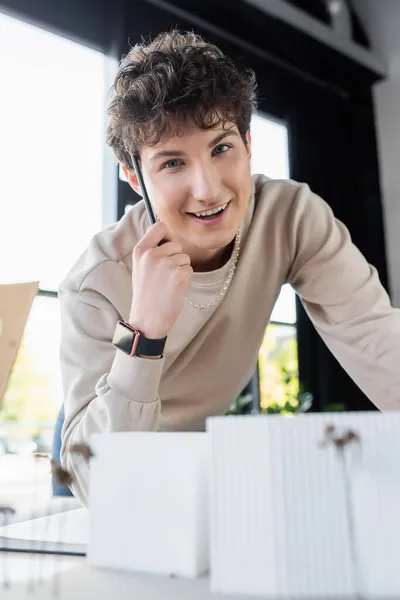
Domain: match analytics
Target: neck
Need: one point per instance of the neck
(212, 260)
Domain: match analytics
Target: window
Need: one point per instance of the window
(51, 123)
(278, 364)
(51, 152)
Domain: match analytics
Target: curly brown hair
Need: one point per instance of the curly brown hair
(174, 81)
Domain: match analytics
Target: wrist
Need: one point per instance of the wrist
(150, 330)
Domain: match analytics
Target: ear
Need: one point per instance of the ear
(131, 178)
(248, 143)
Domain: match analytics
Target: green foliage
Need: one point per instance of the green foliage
(336, 407)
(302, 403)
(280, 390)
(240, 405)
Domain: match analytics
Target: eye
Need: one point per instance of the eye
(221, 149)
(171, 164)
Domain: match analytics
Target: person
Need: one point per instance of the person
(162, 323)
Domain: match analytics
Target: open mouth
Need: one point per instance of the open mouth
(213, 215)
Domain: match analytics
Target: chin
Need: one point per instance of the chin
(214, 241)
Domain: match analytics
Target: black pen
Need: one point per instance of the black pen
(149, 208)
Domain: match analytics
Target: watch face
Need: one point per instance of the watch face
(124, 338)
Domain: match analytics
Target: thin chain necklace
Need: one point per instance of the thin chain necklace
(227, 281)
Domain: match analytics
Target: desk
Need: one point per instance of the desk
(74, 578)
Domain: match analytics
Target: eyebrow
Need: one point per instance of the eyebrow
(174, 153)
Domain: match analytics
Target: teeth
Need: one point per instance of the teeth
(208, 213)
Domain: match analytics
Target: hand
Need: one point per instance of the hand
(160, 282)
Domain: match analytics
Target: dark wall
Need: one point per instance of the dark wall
(97, 23)
(333, 149)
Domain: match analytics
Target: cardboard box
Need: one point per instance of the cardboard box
(15, 305)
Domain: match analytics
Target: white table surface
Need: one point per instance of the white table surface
(72, 578)
(38, 577)
(51, 507)
(45, 577)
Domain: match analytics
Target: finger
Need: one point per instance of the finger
(180, 260)
(187, 270)
(153, 236)
(168, 249)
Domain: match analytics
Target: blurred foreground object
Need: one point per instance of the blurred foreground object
(306, 506)
(149, 502)
(15, 305)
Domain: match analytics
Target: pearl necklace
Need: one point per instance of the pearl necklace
(228, 279)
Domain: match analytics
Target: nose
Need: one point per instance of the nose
(206, 184)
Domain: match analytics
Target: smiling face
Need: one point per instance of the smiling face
(199, 172)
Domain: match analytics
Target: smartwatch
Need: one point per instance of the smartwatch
(131, 341)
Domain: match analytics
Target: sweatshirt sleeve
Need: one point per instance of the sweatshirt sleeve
(104, 389)
(345, 299)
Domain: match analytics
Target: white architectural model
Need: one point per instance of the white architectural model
(303, 507)
(306, 507)
(149, 503)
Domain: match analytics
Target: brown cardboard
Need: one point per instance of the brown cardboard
(15, 305)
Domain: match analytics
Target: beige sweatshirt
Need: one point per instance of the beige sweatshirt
(288, 235)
